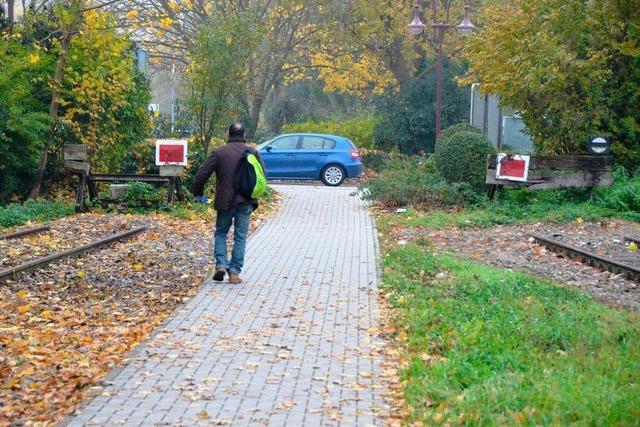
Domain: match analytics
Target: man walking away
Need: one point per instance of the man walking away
(231, 207)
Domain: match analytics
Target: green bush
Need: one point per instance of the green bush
(24, 121)
(376, 160)
(462, 158)
(415, 182)
(140, 195)
(624, 195)
(39, 210)
(459, 127)
(360, 130)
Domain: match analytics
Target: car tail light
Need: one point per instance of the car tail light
(354, 153)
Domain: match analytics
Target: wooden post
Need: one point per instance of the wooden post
(92, 188)
(173, 173)
(172, 190)
(492, 191)
(179, 189)
(82, 179)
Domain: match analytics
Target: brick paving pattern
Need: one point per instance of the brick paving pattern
(290, 346)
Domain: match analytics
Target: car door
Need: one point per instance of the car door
(279, 156)
(311, 157)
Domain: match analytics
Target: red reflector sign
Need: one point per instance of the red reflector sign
(512, 167)
(171, 153)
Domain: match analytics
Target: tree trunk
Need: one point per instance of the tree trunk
(10, 10)
(254, 115)
(55, 98)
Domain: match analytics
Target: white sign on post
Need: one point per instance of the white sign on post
(512, 167)
(171, 152)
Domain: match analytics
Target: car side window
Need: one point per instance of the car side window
(285, 143)
(312, 142)
(329, 144)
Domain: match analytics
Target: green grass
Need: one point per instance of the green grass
(507, 214)
(32, 210)
(491, 347)
(521, 207)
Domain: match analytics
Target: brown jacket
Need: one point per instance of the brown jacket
(224, 161)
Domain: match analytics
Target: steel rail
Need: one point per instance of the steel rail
(25, 232)
(40, 262)
(590, 258)
(632, 239)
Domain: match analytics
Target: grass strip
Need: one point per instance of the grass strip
(492, 347)
(32, 210)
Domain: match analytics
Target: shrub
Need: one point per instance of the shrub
(360, 130)
(459, 127)
(140, 195)
(624, 195)
(415, 182)
(376, 160)
(462, 158)
(40, 210)
(24, 121)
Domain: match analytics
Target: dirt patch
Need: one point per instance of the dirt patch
(512, 247)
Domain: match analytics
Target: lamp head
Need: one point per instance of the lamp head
(416, 26)
(466, 27)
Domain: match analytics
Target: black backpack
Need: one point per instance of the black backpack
(250, 181)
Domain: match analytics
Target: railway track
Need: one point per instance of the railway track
(628, 266)
(78, 250)
(25, 232)
(634, 239)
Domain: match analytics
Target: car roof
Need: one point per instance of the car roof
(323, 135)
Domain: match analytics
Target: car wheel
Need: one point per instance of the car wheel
(333, 175)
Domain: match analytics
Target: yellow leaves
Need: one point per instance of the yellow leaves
(23, 309)
(33, 58)
(166, 22)
(633, 247)
(174, 6)
(203, 415)
(132, 14)
(98, 69)
(138, 266)
(352, 75)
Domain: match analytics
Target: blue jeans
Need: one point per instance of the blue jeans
(239, 216)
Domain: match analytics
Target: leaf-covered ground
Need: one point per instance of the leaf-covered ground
(64, 327)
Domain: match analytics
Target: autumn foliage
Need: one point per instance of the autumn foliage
(572, 68)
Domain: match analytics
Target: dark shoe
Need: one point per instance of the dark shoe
(234, 278)
(218, 276)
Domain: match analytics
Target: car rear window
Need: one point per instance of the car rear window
(329, 144)
(312, 142)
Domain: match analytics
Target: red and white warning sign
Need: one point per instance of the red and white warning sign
(512, 167)
(171, 152)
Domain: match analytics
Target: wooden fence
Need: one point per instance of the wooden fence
(546, 172)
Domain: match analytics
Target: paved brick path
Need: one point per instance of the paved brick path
(291, 346)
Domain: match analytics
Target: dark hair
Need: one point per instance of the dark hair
(236, 129)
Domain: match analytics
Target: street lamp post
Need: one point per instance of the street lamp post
(439, 30)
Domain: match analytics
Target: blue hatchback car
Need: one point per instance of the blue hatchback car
(330, 158)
